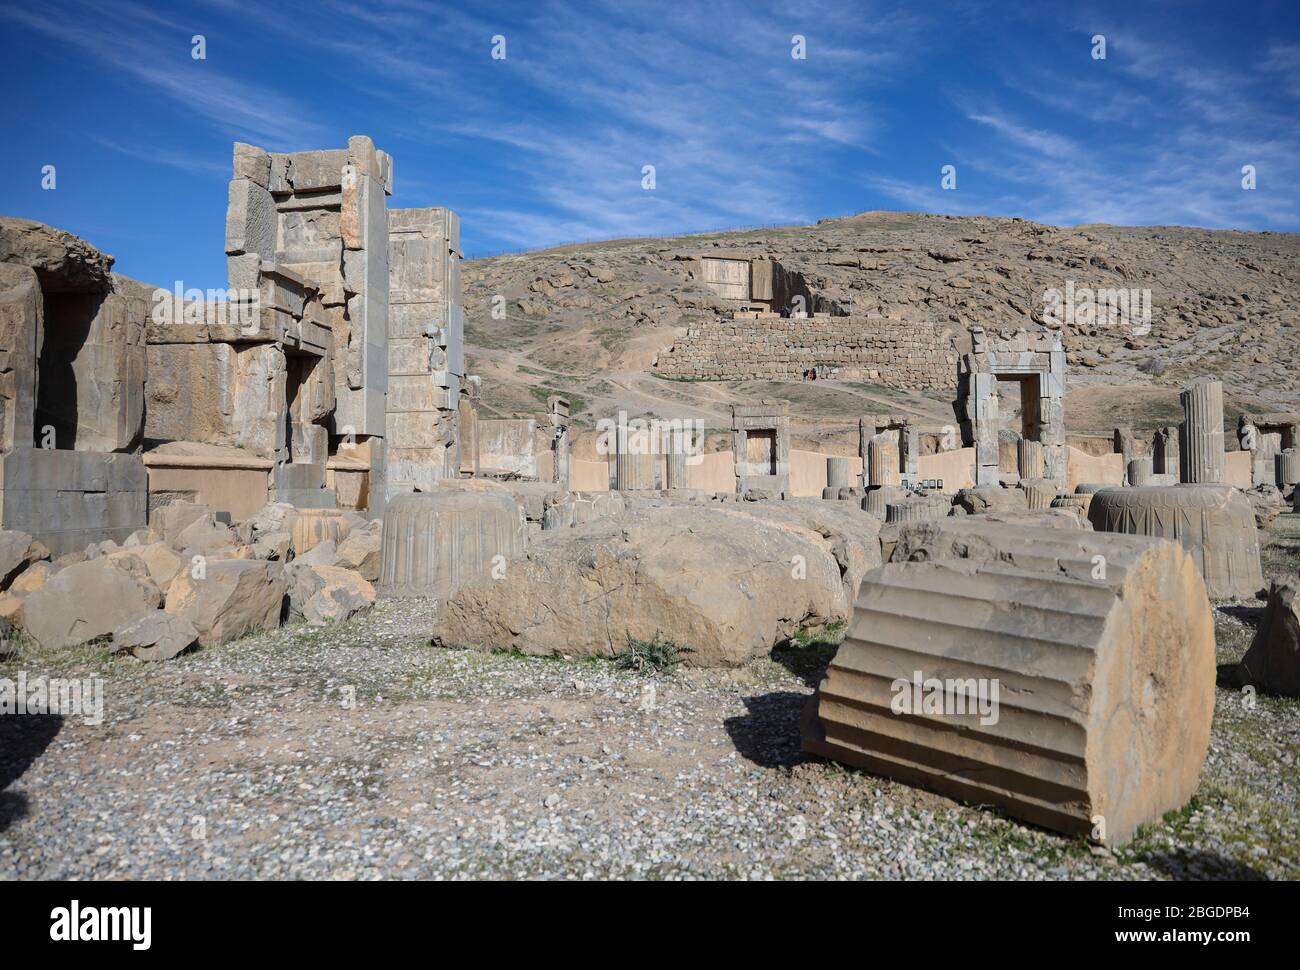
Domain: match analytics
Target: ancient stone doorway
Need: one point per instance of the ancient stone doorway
(761, 455)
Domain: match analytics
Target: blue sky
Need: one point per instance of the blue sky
(548, 145)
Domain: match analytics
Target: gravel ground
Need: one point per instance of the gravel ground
(361, 752)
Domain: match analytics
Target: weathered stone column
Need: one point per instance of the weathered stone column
(1200, 443)
(675, 470)
(882, 460)
(633, 461)
(1029, 458)
(1288, 468)
(1140, 471)
(837, 472)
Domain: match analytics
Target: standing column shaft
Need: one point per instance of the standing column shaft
(1200, 450)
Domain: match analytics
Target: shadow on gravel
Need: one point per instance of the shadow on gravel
(1190, 864)
(22, 739)
(768, 732)
(1246, 614)
(808, 663)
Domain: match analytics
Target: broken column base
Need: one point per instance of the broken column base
(1214, 523)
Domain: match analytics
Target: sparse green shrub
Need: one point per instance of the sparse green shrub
(656, 655)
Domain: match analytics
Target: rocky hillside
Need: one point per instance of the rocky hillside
(590, 319)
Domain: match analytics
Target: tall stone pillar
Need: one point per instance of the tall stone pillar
(633, 462)
(1029, 459)
(1288, 468)
(675, 470)
(882, 460)
(1201, 433)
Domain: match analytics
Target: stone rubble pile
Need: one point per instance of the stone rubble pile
(189, 579)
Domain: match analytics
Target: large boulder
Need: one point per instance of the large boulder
(1273, 661)
(156, 636)
(18, 550)
(158, 561)
(229, 598)
(362, 551)
(272, 517)
(168, 521)
(342, 594)
(724, 582)
(85, 601)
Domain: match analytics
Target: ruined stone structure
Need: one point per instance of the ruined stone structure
(559, 412)
(426, 352)
(907, 447)
(1035, 360)
(1266, 436)
(1106, 684)
(283, 386)
(761, 440)
(750, 281)
(71, 390)
(907, 353)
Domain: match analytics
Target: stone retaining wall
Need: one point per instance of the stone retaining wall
(897, 353)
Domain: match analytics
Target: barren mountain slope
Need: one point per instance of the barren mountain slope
(589, 319)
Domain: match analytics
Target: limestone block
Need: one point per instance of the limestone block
(714, 579)
(252, 163)
(1273, 661)
(32, 578)
(156, 560)
(341, 595)
(63, 262)
(167, 522)
(992, 498)
(155, 636)
(233, 597)
(84, 601)
(1104, 686)
(250, 220)
(434, 542)
(67, 499)
(362, 552)
(1215, 524)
